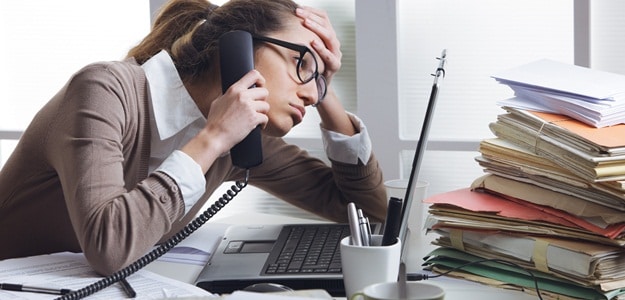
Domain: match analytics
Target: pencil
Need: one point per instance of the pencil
(128, 288)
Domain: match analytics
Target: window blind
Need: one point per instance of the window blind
(481, 38)
(47, 41)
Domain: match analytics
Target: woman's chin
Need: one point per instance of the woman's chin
(276, 131)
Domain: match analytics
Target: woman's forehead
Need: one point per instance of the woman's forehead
(295, 32)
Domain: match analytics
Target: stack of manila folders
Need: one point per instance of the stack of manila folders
(550, 210)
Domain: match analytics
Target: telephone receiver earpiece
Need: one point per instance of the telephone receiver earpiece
(236, 55)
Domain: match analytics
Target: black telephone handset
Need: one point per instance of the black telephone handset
(236, 56)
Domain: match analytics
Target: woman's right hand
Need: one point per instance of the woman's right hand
(232, 116)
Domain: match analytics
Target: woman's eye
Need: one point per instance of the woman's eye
(307, 63)
(297, 59)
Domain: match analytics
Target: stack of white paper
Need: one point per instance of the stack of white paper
(594, 97)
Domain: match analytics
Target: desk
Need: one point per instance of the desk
(455, 289)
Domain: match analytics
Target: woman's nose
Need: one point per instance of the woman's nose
(308, 92)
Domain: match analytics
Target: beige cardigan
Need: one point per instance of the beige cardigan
(78, 180)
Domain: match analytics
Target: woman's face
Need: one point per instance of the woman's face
(287, 95)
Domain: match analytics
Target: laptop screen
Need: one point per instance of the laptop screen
(421, 145)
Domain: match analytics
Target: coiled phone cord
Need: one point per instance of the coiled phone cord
(163, 248)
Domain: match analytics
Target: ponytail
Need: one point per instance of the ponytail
(189, 30)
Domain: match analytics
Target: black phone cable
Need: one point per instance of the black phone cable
(164, 247)
(419, 277)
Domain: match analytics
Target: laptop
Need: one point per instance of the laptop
(300, 256)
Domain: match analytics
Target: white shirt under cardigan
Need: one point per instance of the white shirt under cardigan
(176, 119)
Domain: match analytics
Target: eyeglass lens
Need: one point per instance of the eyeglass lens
(307, 71)
(306, 67)
(322, 88)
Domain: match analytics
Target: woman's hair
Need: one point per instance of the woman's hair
(190, 29)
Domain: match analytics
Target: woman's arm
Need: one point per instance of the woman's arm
(98, 144)
(331, 111)
(293, 175)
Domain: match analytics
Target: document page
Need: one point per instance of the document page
(197, 248)
(71, 271)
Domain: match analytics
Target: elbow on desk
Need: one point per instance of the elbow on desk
(107, 256)
(106, 263)
(113, 238)
(113, 255)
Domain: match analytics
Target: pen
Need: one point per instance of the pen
(368, 228)
(362, 223)
(391, 225)
(33, 289)
(130, 292)
(354, 229)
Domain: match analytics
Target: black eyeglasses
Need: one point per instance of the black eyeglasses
(307, 67)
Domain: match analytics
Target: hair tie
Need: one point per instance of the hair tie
(209, 12)
(211, 8)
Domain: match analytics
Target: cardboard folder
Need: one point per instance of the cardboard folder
(587, 164)
(503, 275)
(607, 140)
(464, 208)
(583, 262)
(599, 214)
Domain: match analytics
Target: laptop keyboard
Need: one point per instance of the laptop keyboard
(307, 249)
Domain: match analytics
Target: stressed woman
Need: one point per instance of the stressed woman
(127, 152)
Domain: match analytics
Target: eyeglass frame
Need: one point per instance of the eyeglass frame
(320, 80)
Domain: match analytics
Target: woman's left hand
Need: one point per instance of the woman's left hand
(329, 47)
(333, 115)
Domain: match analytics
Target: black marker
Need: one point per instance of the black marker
(33, 289)
(393, 221)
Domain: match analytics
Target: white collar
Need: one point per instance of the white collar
(173, 107)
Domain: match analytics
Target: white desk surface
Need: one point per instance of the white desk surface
(455, 289)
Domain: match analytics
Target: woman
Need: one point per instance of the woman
(127, 152)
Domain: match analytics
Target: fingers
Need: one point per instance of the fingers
(329, 48)
(247, 100)
(250, 79)
(316, 20)
(252, 94)
(249, 87)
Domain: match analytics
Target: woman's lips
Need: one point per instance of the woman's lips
(300, 111)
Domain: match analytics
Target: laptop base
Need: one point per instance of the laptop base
(334, 287)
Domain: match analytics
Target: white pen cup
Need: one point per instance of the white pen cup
(416, 242)
(366, 265)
